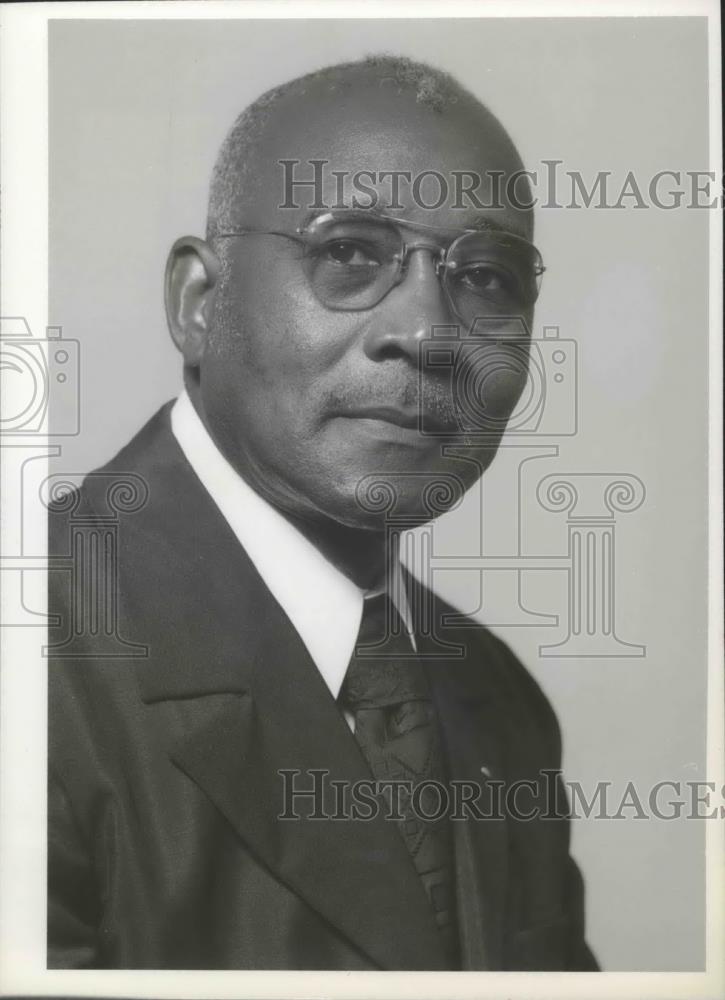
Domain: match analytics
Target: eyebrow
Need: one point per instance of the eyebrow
(479, 225)
(490, 225)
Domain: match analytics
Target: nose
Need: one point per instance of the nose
(411, 308)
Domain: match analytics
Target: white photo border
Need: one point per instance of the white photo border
(23, 700)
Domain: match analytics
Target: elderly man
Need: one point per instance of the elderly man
(269, 785)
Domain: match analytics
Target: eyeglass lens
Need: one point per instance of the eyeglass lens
(352, 263)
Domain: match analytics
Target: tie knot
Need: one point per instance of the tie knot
(381, 628)
(383, 669)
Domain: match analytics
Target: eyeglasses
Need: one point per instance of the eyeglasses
(353, 259)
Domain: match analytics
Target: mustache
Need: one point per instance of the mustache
(430, 398)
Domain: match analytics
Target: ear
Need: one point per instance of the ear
(192, 272)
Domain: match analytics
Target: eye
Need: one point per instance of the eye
(483, 279)
(348, 253)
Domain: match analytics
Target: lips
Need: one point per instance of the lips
(410, 419)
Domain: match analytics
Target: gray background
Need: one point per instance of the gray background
(137, 111)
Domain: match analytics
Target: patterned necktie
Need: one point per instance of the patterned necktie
(387, 691)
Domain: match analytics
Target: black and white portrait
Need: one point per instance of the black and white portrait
(369, 425)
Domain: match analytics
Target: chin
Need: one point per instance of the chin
(368, 495)
(403, 499)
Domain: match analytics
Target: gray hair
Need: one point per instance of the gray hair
(433, 88)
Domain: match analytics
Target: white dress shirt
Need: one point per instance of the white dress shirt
(324, 606)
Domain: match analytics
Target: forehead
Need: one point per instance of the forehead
(366, 134)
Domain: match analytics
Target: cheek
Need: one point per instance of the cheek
(488, 382)
(279, 358)
(505, 385)
(274, 327)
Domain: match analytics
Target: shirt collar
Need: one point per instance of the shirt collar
(323, 604)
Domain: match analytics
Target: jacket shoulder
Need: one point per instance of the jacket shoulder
(118, 482)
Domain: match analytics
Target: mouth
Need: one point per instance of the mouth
(404, 418)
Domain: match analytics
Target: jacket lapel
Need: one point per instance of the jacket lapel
(356, 874)
(259, 706)
(466, 711)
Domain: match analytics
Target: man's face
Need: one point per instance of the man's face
(307, 400)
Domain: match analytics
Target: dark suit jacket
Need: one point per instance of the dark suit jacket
(165, 847)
